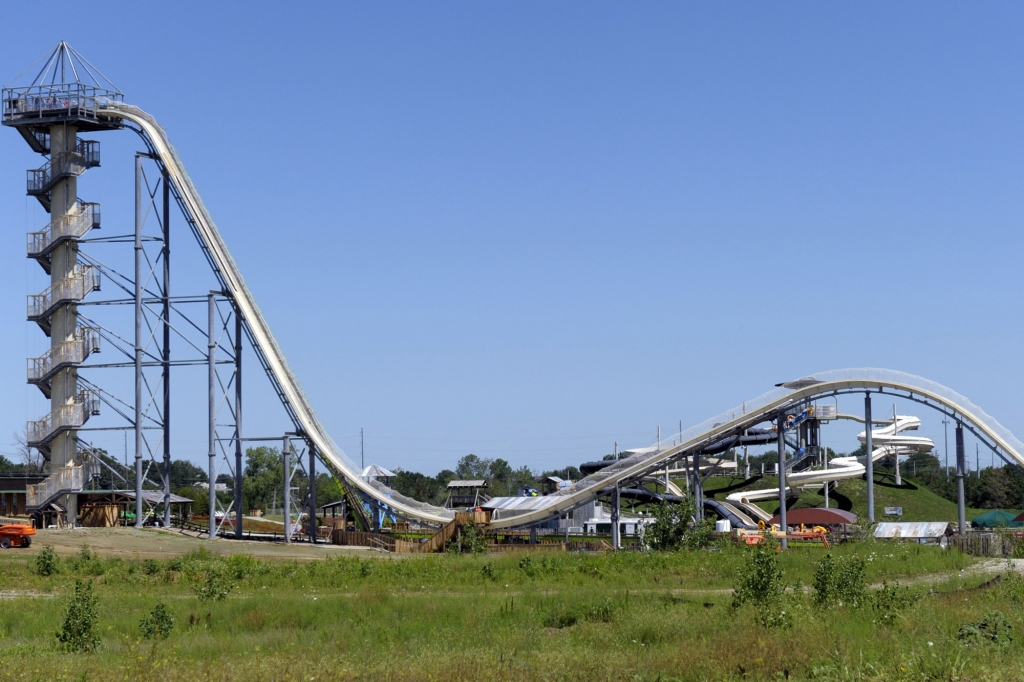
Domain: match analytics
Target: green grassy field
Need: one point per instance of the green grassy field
(628, 616)
(918, 503)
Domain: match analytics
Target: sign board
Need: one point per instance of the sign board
(825, 412)
(894, 511)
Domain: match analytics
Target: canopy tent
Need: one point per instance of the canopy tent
(375, 471)
(996, 518)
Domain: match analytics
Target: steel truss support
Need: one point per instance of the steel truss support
(224, 396)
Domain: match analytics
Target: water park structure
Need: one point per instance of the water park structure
(68, 96)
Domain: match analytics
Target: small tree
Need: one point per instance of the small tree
(675, 527)
(77, 633)
(760, 583)
(158, 624)
(46, 562)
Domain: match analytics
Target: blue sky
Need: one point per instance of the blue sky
(532, 230)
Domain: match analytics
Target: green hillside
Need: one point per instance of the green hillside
(919, 503)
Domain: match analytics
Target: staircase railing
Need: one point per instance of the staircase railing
(70, 479)
(73, 352)
(74, 226)
(80, 284)
(70, 416)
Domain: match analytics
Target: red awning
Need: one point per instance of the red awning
(817, 516)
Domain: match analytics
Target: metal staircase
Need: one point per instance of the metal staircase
(75, 225)
(40, 432)
(62, 165)
(84, 280)
(63, 481)
(85, 342)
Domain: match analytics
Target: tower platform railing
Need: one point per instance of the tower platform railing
(69, 479)
(62, 165)
(39, 104)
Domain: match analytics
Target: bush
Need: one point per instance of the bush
(839, 582)
(46, 562)
(212, 587)
(760, 579)
(992, 629)
(889, 602)
(77, 633)
(675, 528)
(158, 624)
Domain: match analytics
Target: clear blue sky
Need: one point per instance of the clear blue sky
(529, 230)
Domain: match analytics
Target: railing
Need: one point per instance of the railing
(57, 100)
(73, 352)
(64, 480)
(63, 164)
(71, 416)
(84, 281)
(73, 226)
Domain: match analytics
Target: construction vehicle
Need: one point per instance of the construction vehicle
(16, 535)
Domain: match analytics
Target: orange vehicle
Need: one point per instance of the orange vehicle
(16, 535)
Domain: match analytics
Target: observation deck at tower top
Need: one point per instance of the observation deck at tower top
(66, 89)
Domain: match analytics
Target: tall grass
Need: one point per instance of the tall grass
(557, 616)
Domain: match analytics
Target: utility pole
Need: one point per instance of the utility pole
(961, 507)
(781, 444)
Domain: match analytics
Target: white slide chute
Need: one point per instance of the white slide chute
(766, 407)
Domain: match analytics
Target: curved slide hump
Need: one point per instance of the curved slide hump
(259, 332)
(644, 462)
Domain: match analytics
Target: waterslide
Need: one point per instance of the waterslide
(792, 396)
(891, 440)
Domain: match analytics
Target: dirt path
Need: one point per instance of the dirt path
(164, 544)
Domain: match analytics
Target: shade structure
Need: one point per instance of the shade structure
(996, 518)
(817, 516)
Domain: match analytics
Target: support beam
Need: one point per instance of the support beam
(211, 360)
(238, 424)
(869, 450)
(166, 360)
(961, 507)
(312, 493)
(286, 452)
(781, 444)
(616, 540)
(138, 340)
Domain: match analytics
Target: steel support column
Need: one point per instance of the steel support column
(238, 424)
(961, 508)
(869, 449)
(615, 518)
(781, 441)
(167, 348)
(286, 455)
(211, 362)
(138, 340)
(312, 493)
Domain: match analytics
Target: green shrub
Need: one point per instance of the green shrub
(760, 578)
(46, 562)
(839, 582)
(77, 633)
(889, 602)
(211, 587)
(158, 624)
(992, 629)
(675, 528)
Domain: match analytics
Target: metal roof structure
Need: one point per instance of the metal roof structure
(480, 483)
(911, 530)
(817, 516)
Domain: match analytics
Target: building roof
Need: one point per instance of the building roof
(480, 483)
(375, 471)
(911, 529)
(817, 516)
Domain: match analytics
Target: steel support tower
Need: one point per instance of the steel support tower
(62, 100)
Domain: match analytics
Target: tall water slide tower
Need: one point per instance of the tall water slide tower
(62, 100)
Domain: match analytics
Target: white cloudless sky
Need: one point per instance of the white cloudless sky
(532, 230)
